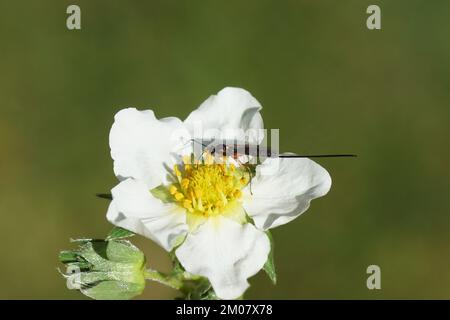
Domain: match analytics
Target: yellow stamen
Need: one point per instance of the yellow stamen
(179, 196)
(185, 183)
(187, 204)
(207, 187)
(209, 159)
(186, 159)
(173, 190)
(177, 171)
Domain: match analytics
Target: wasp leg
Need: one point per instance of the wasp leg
(249, 176)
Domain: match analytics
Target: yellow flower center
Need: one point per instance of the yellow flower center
(207, 188)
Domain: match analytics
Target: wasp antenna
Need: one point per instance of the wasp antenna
(204, 145)
(319, 156)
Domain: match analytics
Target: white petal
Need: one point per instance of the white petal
(134, 208)
(143, 147)
(228, 115)
(283, 189)
(227, 253)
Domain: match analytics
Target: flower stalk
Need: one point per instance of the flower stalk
(171, 281)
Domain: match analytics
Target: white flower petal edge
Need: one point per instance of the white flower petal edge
(144, 150)
(225, 252)
(228, 115)
(134, 208)
(141, 145)
(283, 189)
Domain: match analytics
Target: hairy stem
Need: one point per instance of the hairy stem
(162, 278)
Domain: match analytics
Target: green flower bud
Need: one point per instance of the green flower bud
(105, 270)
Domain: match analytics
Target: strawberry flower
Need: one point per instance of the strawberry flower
(212, 212)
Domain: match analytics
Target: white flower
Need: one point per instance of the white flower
(165, 198)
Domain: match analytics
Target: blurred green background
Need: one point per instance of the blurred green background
(324, 79)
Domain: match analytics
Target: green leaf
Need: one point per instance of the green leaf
(113, 290)
(269, 266)
(177, 268)
(123, 251)
(119, 233)
(80, 241)
(67, 256)
(199, 289)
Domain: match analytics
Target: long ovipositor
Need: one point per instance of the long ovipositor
(235, 150)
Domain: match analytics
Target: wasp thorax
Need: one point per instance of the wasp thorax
(207, 187)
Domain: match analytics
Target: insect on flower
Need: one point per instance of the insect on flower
(195, 202)
(252, 153)
(235, 149)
